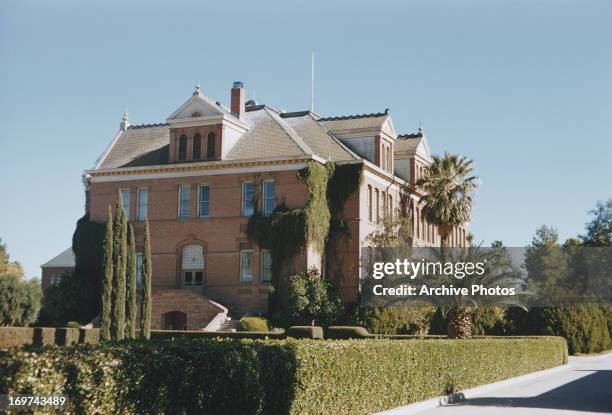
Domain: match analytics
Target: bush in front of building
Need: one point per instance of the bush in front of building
(311, 298)
(254, 324)
(585, 327)
(268, 376)
(395, 320)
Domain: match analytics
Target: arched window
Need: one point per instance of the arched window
(210, 146)
(197, 146)
(192, 266)
(182, 147)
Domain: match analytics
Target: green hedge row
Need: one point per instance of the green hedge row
(226, 376)
(44, 336)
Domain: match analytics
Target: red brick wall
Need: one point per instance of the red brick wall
(221, 234)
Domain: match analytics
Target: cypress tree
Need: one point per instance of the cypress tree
(119, 263)
(107, 284)
(145, 297)
(130, 274)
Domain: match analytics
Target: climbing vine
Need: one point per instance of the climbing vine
(287, 231)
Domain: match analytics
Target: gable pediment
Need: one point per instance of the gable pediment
(195, 107)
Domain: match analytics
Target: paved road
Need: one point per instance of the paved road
(585, 388)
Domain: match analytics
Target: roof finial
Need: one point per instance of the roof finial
(125, 121)
(420, 128)
(197, 88)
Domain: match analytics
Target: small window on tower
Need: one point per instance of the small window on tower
(182, 147)
(197, 146)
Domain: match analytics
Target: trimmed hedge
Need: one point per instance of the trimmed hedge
(305, 332)
(46, 336)
(254, 324)
(224, 376)
(347, 332)
(184, 334)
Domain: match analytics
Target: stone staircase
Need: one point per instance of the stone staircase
(229, 325)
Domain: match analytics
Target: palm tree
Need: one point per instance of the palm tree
(447, 202)
(447, 186)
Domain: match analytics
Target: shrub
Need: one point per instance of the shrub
(396, 320)
(268, 376)
(73, 324)
(585, 326)
(305, 332)
(489, 320)
(254, 324)
(346, 332)
(312, 298)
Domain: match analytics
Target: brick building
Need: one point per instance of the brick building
(197, 178)
(53, 270)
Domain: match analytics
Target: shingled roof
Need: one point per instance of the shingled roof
(271, 134)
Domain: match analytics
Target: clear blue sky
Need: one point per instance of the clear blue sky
(523, 87)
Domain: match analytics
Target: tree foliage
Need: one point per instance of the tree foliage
(311, 298)
(19, 298)
(119, 266)
(131, 298)
(447, 186)
(145, 296)
(599, 229)
(107, 290)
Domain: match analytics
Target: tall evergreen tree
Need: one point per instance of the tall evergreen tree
(119, 264)
(145, 297)
(130, 273)
(107, 285)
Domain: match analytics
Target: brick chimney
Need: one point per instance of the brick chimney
(238, 99)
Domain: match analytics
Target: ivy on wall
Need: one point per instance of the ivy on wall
(287, 231)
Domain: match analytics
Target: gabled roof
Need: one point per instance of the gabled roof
(139, 145)
(411, 144)
(354, 122)
(65, 259)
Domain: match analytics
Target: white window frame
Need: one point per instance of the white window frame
(263, 194)
(261, 266)
(180, 197)
(243, 207)
(242, 252)
(139, 217)
(200, 186)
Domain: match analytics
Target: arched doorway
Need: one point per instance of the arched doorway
(174, 320)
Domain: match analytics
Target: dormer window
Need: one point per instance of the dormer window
(182, 148)
(197, 146)
(210, 146)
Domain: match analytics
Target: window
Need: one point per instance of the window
(246, 266)
(184, 202)
(197, 146)
(203, 201)
(143, 204)
(269, 197)
(139, 257)
(377, 206)
(390, 207)
(266, 265)
(125, 202)
(193, 265)
(210, 146)
(182, 148)
(55, 279)
(369, 196)
(248, 192)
